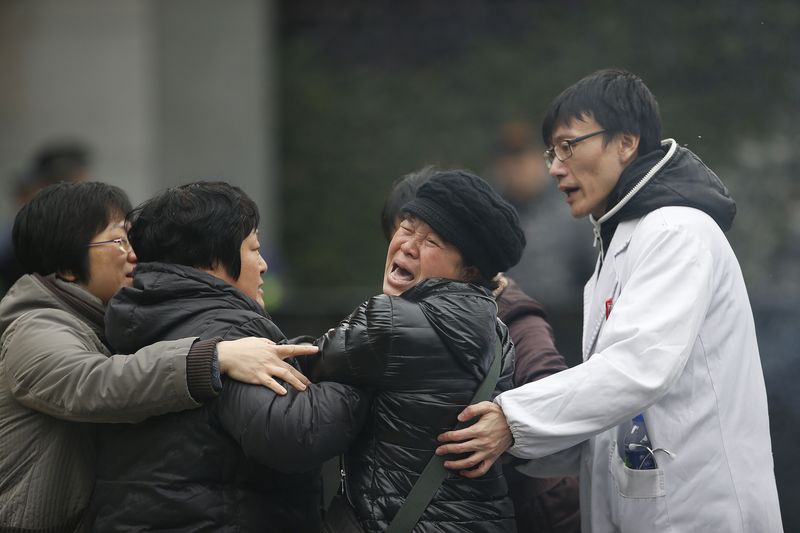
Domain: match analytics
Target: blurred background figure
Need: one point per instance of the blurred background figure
(559, 256)
(52, 163)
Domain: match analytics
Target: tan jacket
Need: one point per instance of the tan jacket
(56, 375)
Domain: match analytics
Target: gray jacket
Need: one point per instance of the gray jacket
(56, 375)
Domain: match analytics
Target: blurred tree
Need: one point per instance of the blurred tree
(373, 90)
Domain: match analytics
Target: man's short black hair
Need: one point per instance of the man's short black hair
(403, 190)
(617, 100)
(51, 232)
(201, 225)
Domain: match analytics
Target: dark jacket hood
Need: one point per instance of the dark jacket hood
(464, 325)
(683, 180)
(163, 297)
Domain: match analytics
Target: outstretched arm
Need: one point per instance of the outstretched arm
(354, 352)
(62, 374)
(294, 432)
(644, 347)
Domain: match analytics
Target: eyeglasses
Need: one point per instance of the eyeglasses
(123, 244)
(563, 150)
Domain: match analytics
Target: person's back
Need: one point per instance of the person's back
(186, 471)
(248, 461)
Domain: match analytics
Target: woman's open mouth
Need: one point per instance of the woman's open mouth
(399, 277)
(401, 274)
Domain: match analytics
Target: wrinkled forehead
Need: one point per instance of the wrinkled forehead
(417, 225)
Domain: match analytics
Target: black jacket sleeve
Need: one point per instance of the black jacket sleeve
(290, 433)
(295, 432)
(357, 350)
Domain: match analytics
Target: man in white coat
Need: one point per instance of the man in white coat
(668, 334)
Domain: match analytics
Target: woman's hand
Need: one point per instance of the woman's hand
(487, 439)
(258, 361)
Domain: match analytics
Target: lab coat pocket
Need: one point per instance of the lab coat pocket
(636, 484)
(641, 496)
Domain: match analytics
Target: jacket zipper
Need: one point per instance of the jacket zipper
(343, 473)
(596, 223)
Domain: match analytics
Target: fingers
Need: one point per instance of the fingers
(466, 463)
(475, 465)
(293, 377)
(470, 461)
(272, 385)
(466, 446)
(284, 351)
(459, 435)
(475, 410)
(259, 361)
(470, 412)
(302, 377)
(288, 374)
(477, 472)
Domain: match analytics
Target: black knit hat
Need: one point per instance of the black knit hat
(465, 211)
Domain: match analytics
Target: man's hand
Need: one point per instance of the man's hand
(258, 361)
(487, 439)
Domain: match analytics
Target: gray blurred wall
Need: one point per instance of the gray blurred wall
(164, 92)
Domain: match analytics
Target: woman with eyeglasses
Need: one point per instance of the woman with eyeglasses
(57, 374)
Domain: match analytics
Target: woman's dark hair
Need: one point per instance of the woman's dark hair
(403, 190)
(51, 232)
(201, 225)
(617, 100)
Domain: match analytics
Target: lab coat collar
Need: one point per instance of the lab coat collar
(603, 288)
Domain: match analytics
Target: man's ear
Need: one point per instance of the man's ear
(628, 147)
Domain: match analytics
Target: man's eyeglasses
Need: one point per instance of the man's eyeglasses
(563, 150)
(123, 244)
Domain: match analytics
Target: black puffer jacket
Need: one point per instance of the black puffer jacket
(247, 461)
(424, 354)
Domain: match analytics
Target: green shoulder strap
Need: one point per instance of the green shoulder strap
(431, 478)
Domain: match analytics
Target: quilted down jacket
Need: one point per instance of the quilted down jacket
(248, 461)
(423, 355)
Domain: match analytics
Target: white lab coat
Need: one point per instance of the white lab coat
(679, 346)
